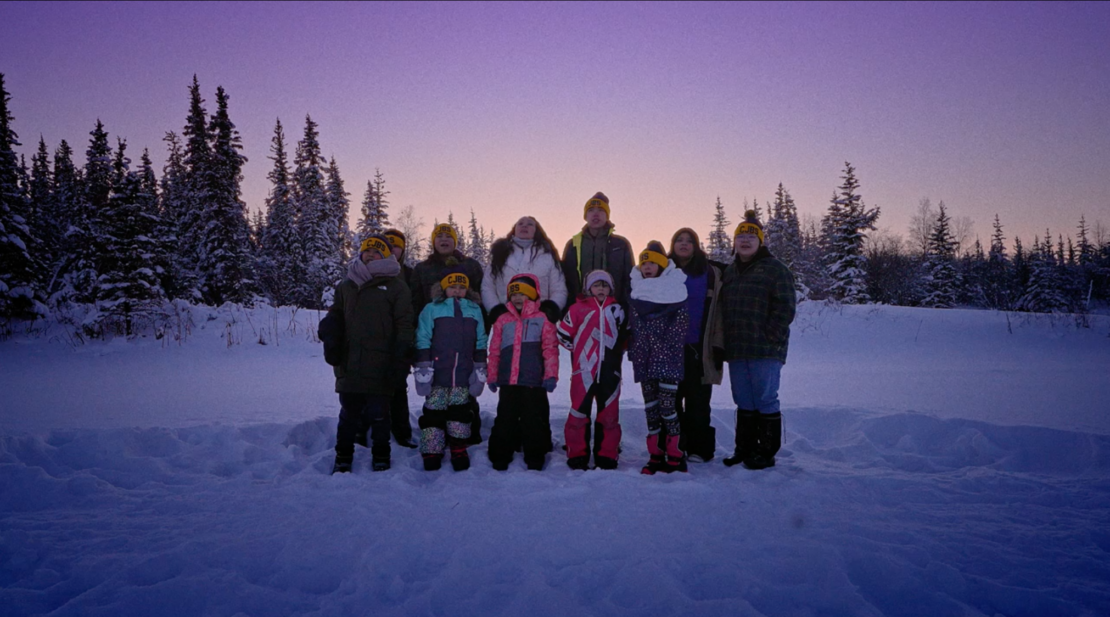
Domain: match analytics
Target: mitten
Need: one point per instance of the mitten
(493, 387)
(549, 384)
(422, 377)
(478, 379)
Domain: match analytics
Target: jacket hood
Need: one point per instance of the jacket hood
(439, 295)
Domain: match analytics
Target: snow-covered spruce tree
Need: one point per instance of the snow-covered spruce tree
(191, 217)
(476, 247)
(972, 274)
(45, 234)
(281, 259)
(128, 290)
(339, 210)
(65, 210)
(161, 234)
(461, 245)
(998, 287)
(225, 263)
(178, 279)
(374, 205)
(784, 235)
(314, 225)
(84, 241)
(843, 238)
(19, 298)
(1043, 293)
(940, 280)
(720, 240)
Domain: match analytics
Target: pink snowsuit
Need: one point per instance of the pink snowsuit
(594, 334)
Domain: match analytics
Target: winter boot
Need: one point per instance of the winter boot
(342, 464)
(657, 461)
(581, 463)
(604, 462)
(770, 440)
(380, 464)
(746, 437)
(460, 458)
(676, 459)
(433, 462)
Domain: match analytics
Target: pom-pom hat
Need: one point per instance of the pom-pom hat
(750, 225)
(597, 201)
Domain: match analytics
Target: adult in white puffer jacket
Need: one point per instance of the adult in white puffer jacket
(526, 249)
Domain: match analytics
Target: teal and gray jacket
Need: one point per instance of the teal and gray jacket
(451, 334)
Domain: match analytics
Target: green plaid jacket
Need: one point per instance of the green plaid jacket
(758, 304)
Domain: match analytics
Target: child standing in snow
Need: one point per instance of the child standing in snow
(594, 331)
(659, 323)
(367, 336)
(524, 364)
(450, 368)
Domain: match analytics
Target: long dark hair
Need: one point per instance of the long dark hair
(503, 247)
(699, 261)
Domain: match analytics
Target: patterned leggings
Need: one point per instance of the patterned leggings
(659, 397)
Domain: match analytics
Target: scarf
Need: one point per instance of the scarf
(667, 288)
(362, 273)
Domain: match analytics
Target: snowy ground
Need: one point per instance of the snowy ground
(936, 463)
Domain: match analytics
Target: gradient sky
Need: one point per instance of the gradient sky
(512, 109)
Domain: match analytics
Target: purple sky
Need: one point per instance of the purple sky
(512, 109)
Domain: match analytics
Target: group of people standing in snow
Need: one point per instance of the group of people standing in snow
(461, 328)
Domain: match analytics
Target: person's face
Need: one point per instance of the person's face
(444, 244)
(746, 246)
(456, 291)
(684, 246)
(400, 253)
(518, 300)
(369, 256)
(596, 218)
(525, 229)
(649, 269)
(600, 290)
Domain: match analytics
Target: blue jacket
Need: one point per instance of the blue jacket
(451, 334)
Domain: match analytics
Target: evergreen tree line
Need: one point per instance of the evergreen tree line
(836, 258)
(119, 241)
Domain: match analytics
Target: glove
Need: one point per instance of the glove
(493, 387)
(478, 379)
(549, 384)
(422, 377)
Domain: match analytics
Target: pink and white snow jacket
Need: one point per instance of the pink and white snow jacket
(523, 348)
(595, 335)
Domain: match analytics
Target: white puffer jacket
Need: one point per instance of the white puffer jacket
(552, 284)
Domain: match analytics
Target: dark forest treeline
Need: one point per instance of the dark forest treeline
(121, 240)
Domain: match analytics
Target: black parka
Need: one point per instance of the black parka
(379, 326)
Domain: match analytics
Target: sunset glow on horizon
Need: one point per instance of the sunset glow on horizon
(521, 108)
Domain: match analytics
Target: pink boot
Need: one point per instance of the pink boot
(657, 461)
(676, 459)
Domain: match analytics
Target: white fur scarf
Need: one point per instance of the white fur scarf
(667, 288)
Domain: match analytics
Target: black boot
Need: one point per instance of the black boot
(746, 437)
(770, 440)
(342, 464)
